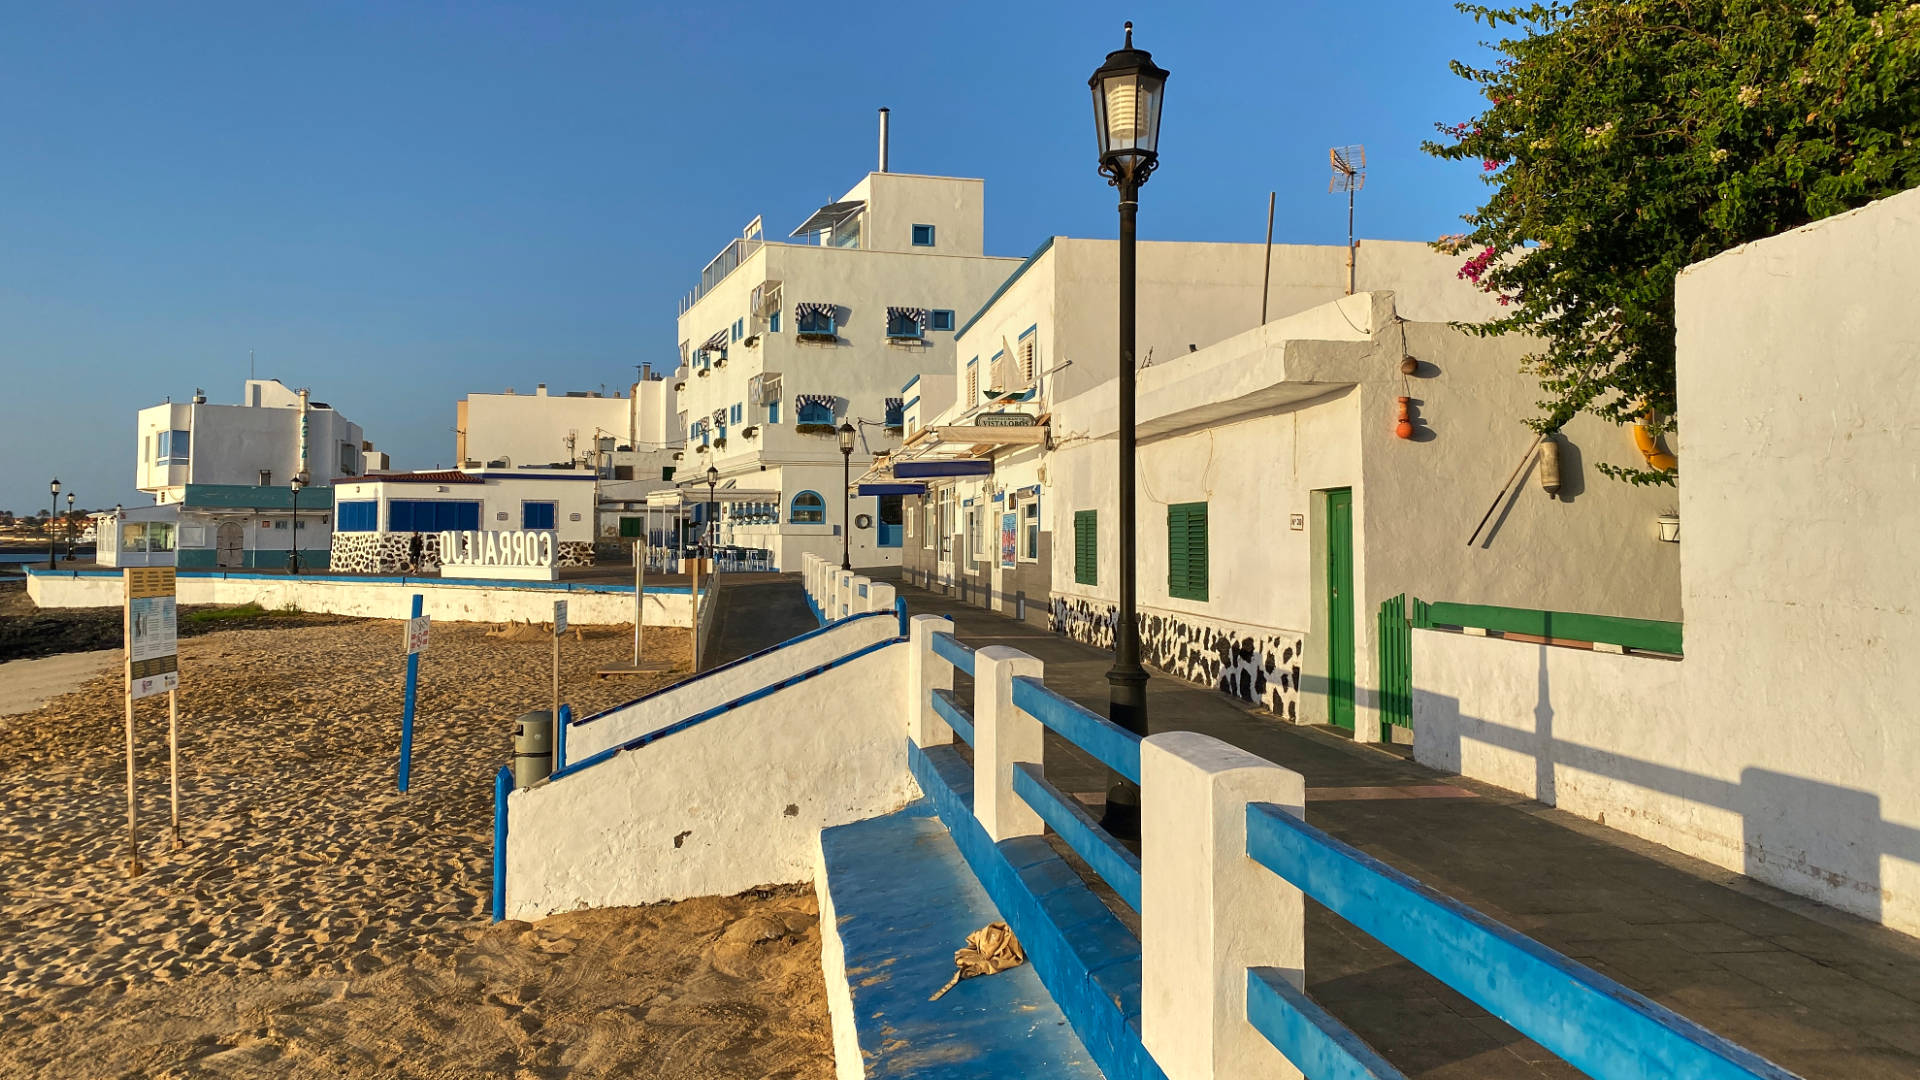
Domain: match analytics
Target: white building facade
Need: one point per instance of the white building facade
(785, 342)
(379, 517)
(227, 468)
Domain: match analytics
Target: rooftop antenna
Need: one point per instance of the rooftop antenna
(249, 365)
(1349, 175)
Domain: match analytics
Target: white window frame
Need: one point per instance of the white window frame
(1031, 503)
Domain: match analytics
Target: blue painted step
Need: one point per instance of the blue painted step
(902, 900)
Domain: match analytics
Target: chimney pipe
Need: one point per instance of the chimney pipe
(883, 139)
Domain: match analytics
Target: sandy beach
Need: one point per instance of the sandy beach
(316, 922)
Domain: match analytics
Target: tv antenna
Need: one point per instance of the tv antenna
(1349, 175)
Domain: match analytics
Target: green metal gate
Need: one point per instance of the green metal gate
(1395, 651)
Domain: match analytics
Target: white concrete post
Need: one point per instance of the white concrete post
(1208, 912)
(880, 596)
(857, 604)
(926, 673)
(842, 593)
(1002, 735)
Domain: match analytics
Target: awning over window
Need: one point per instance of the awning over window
(915, 470)
(719, 416)
(892, 489)
(830, 216)
(896, 403)
(716, 342)
(907, 314)
(824, 400)
(820, 310)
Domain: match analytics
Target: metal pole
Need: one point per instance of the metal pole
(846, 501)
(696, 616)
(556, 671)
(173, 758)
(1349, 236)
(406, 715)
(53, 537)
(1266, 265)
(1127, 681)
(293, 531)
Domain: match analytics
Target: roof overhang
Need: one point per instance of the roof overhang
(986, 435)
(830, 216)
(891, 489)
(912, 470)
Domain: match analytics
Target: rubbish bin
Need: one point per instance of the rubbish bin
(532, 748)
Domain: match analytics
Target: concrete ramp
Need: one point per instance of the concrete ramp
(896, 899)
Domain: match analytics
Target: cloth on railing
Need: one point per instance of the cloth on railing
(990, 949)
(716, 343)
(815, 310)
(719, 417)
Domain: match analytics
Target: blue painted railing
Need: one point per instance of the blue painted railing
(502, 787)
(1593, 1023)
(948, 648)
(560, 725)
(956, 717)
(1114, 746)
(900, 609)
(1117, 866)
(1317, 1044)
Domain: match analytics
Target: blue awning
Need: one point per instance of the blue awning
(893, 489)
(911, 470)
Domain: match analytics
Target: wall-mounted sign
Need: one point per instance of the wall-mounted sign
(1296, 522)
(417, 635)
(470, 548)
(1004, 419)
(559, 617)
(1009, 538)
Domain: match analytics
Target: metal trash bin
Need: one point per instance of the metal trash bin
(532, 748)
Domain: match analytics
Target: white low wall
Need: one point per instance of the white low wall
(379, 599)
(730, 803)
(1618, 740)
(592, 734)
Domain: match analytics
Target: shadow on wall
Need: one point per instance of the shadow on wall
(1782, 816)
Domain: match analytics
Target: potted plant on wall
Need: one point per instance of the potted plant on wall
(1669, 522)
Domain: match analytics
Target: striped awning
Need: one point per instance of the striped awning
(719, 417)
(896, 403)
(803, 400)
(908, 314)
(716, 342)
(825, 311)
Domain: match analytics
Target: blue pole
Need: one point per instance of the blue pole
(900, 605)
(502, 784)
(560, 737)
(406, 718)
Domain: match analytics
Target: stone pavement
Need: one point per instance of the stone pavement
(753, 612)
(1819, 992)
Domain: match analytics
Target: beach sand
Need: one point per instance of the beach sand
(318, 923)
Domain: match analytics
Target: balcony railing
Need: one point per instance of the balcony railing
(725, 263)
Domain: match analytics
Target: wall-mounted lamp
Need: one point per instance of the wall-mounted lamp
(1669, 528)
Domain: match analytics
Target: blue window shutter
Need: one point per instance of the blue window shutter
(773, 323)
(773, 412)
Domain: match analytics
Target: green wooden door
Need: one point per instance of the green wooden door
(1340, 608)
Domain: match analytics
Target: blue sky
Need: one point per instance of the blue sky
(399, 203)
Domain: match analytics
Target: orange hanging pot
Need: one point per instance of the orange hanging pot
(1404, 428)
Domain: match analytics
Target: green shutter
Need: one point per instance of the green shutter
(1086, 547)
(1187, 551)
(630, 528)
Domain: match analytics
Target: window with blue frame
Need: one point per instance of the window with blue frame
(739, 329)
(358, 516)
(773, 323)
(815, 319)
(816, 412)
(538, 515)
(906, 324)
(431, 515)
(737, 411)
(923, 236)
(940, 320)
(896, 413)
(773, 412)
(808, 509)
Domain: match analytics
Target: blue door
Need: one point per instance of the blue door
(891, 532)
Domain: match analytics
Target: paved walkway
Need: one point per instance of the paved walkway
(1821, 993)
(754, 612)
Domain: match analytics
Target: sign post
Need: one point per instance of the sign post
(153, 667)
(559, 628)
(416, 644)
(639, 595)
(696, 616)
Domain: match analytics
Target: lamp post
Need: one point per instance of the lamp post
(1127, 94)
(293, 545)
(713, 520)
(846, 500)
(53, 551)
(69, 526)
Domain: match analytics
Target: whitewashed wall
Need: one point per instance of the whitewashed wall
(379, 599)
(674, 819)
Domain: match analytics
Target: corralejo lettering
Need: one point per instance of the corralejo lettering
(490, 548)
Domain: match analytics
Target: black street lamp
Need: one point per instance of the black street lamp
(69, 526)
(713, 520)
(53, 550)
(293, 545)
(846, 481)
(1127, 94)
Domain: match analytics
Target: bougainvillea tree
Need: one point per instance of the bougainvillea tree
(1625, 139)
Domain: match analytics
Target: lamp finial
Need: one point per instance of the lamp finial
(1129, 33)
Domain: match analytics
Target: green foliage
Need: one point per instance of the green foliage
(238, 612)
(1625, 139)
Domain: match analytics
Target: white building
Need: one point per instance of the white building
(1277, 509)
(784, 342)
(630, 442)
(379, 516)
(228, 467)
